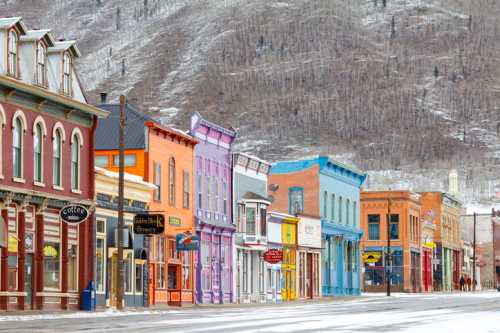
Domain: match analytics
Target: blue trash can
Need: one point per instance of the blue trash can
(88, 298)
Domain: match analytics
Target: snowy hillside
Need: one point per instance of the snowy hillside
(408, 86)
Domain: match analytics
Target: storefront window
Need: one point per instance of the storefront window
(72, 267)
(205, 250)
(52, 263)
(99, 260)
(139, 271)
(186, 270)
(127, 263)
(172, 277)
(160, 276)
(12, 264)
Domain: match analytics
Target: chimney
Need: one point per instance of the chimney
(104, 98)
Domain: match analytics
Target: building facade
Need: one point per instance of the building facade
(428, 247)
(46, 162)
(447, 212)
(309, 257)
(164, 157)
(402, 264)
(138, 195)
(323, 187)
(273, 281)
(250, 204)
(214, 223)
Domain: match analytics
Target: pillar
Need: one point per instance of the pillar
(21, 249)
(39, 260)
(64, 263)
(4, 262)
(81, 258)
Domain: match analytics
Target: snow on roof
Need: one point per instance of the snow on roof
(64, 45)
(127, 176)
(7, 22)
(33, 35)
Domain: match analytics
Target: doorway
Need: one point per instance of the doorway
(28, 281)
(309, 275)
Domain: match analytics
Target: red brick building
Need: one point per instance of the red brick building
(46, 162)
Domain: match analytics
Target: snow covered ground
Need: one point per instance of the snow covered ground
(464, 312)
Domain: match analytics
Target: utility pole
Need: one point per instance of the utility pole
(121, 225)
(474, 255)
(388, 260)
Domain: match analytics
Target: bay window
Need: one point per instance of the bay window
(250, 221)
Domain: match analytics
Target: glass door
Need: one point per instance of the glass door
(28, 280)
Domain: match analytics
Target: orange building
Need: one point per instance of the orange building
(164, 157)
(405, 232)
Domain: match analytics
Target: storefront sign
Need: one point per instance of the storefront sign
(371, 257)
(430, 245)
(74, 214)
(12, 244)
(174, 221)
(146, 224)
(273, 256)
(50, 251)
(187, 242)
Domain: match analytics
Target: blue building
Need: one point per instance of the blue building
(326, 188)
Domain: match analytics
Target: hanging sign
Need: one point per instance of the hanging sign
(50, 251)
(12, 244)
(371, 257)
(273, 256)
(187, 242)
(73, 214)
(146, 224)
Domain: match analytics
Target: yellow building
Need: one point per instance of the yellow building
(288, 265)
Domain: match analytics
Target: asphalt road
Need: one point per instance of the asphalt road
(467, 312)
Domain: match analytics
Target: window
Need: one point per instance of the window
(185, 190)
(157, 195)
(172, 250)
(250, 221)
(41, 69)
(262, 269)
(129, 160)
(56, 160)
(245, 272)
(355, 214)
(325, 205)
(72, 267)
(160, 276)
(340, 209)
(347, 211)
(12, 54)
(224, 198)
(139, 271)
(296, 200)
(263, 221)
(101, 161)
(217, 198)
(128, 267)
(394, 226)
(100, 256)
(207, 187)
(37, 149)
(333, 207)
(67, 74)
(200, 205)
(12, 272)
(75, 162)
(373, 227)
(171, 182)
(52, 264)
(186, 270)
(17, 148)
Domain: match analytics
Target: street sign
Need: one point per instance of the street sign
(273, 256)
(149, 224)
(187, 242)
(73, 214)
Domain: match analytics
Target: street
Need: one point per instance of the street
(464, 312)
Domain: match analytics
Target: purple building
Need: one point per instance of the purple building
(214, 224)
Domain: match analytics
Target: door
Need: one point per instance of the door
(288, 286)
(309, 275)
(28, 281)
(113, 280)
(151, 284)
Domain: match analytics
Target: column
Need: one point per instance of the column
(21, 249)
(39, 260)
(64, 263)
(4, 264)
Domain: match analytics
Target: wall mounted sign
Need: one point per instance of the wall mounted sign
(73, 214)
(174, 221)
(187, 242)
(149, 224)
(12, 244)
(50, 251)
(273, 256)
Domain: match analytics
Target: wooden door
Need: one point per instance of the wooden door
(309, 276)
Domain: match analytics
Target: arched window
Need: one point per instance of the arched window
(37, 150)
(340, 209)
(41, 60)
(57, 158)
(325, 205)
(17, 148)
(67, 73)
(333, 207)
(171, 182)
(347, 211)
(75, 162)
(12, 54)
(2, 124)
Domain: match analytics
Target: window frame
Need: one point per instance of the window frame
(76, 141)
(101, 236)
(185, 189)
(373, 223)
(41, 67)
(40, 129)
(157, 181)
(13, 43)
(66, 74)
(57, 138)
(295, 190)
(171, 181)
(18, 173)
